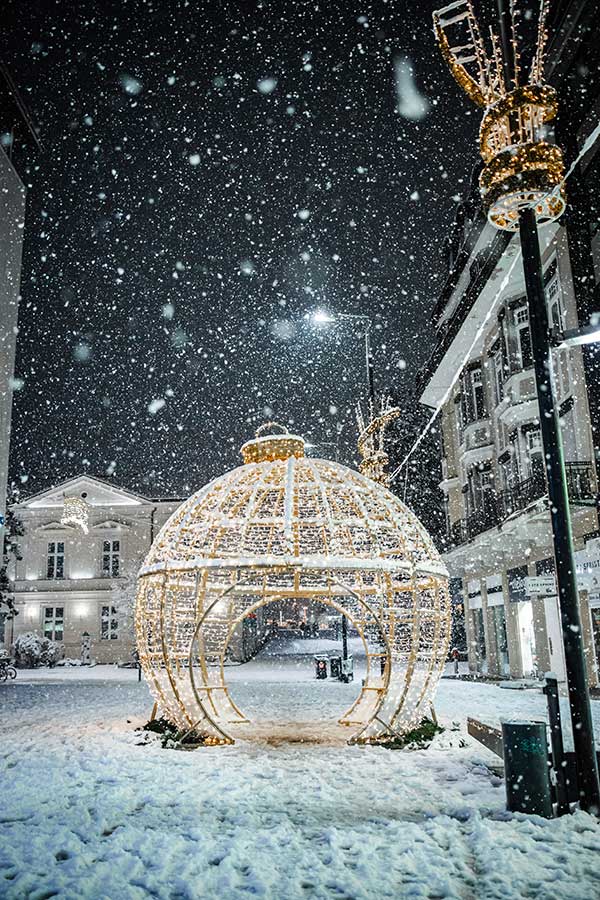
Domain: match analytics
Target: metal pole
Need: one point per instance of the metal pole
(508, 60)
(369, 361)
(560, 516)
(344, 637)
(558, 754)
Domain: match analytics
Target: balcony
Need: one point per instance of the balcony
(581, 484)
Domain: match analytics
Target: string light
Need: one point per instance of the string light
(286, 527)
(75, 512)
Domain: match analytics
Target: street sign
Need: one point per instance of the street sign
(542, 585)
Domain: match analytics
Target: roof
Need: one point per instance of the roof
(99, 493)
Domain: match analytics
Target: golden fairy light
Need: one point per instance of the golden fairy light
(286, 527)
(371, 440)
(522, 169)
(75, 512)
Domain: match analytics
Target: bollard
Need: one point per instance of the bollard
(526, 771)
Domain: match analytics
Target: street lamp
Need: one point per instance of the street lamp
(321, 317)
(522, 185)
(579, 337)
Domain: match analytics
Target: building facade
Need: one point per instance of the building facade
(74, 577)
(499, 548)
(69, 582)
(16, 130)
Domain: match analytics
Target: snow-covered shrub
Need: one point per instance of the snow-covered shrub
(31, 650)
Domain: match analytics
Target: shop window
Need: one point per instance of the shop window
(54, 622)
(55, 560)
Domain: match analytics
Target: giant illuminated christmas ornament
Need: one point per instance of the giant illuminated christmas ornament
(286, 527)
(522, 168)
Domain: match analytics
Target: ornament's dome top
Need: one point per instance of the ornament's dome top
(282, 508)
(272, 441)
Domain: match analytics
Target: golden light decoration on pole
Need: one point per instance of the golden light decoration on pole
(522, 169)
(371, 440)
(287, 527)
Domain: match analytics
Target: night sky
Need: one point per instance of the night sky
(211, 173)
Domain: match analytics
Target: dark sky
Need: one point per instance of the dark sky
(212, 172)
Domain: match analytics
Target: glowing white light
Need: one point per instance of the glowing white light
(320, 317)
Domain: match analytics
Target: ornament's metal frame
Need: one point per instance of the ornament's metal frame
(285, 528)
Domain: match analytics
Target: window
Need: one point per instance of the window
(554, 304)
(109, 624)
(55, 560)
(477, 393)
(480, 490)
(511, 463)
(498, 368)
(535, 452)
(524, 336)
(110, 558)
(562, 368)
(472, 396)
(54, 622)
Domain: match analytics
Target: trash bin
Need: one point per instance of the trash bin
(335, 666)
(347, 669)
(526, 768)
(320, 667)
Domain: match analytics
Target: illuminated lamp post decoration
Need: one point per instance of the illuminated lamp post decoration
(522, 170)
(283, 527)
(522, 186)
(75, 512)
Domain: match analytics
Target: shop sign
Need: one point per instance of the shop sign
(587, 566)
(540, 586)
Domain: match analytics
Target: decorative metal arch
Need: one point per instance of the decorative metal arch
(367, 688)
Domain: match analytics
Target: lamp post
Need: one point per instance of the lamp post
(320, 317)
(522, 185)
(560, 516)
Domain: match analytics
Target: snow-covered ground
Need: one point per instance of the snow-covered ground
(88, 812)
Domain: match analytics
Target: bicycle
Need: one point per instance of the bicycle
(7, 671)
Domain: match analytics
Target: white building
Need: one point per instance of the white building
(499, 546)
(15, 128)
(68, 582)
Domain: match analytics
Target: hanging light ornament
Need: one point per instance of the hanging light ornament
(75, 512)
(284, 527)
(522, 169)
(371, 441)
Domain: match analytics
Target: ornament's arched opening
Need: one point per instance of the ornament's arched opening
(208, 676)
